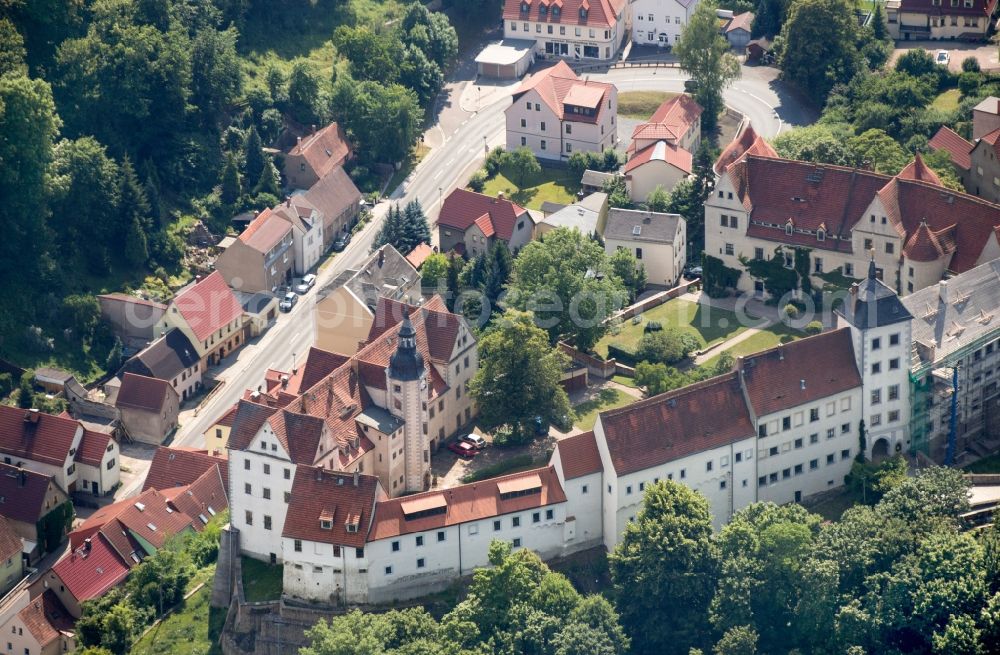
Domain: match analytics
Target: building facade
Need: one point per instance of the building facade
(575, 28)
(660, 22)
(262, 257)
(470, 223)
(209, 315)
(939, 19)
(658, 241)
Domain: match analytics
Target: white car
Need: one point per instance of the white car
(308, 282)
(288, 302)
(475, 440)
(942, 57)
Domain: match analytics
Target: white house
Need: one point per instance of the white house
(582, 29)
(656, 239)
(307, 231)
(660, 153)
(555, 113)
(660, 22)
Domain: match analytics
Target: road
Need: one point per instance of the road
(457, 139)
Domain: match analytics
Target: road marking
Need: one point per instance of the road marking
(450, 162)
(438, 174)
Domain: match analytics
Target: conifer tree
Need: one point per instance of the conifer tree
(231, 190)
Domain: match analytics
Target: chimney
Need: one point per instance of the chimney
(313, 130)
(31, 416)
(197, 278)
(22, 477)
(781, 354)
(381, 256)
(499, 195)
(288, 201)
(943, 291)
(356, 476)
(802, 384)
(86, 545)
(284, 381)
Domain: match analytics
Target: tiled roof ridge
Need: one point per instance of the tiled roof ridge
(673, 393)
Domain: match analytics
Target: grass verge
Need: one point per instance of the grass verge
(261, 581)
(587, 411)
(518, 462)
(551, 184)
(416, 155)
(193, 629)
(640, 105)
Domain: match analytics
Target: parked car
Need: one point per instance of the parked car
(341, 242)
(475, 441)
(690, 86)
(942, 57)
(693, 272)
(463, 449)
(308, 282)
(288, 301)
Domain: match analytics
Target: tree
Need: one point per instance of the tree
(769, 18)
(371, 56)
(876, 150)
(253, 153)
(879, 31)
(269, 181)
(26, 390)
(12, 52)
(303, 93)
(917, 62)
(133, 205)
(524, 164)
(706, 57)
(415, 228)
(563, 279)
(738, 640)
(231, 190)
(821, 143)
(970, 65)
(115, 356)
(432, 33)
(434, 271)
(382, 119)
(940, 162)
(667, 346)
(630, 271)
(136, 249)
(518, 377)
(216, 76)
(81, 313)
(420, 74)
(658, 200)
(820, 48)
(664, 569)
(617, 192)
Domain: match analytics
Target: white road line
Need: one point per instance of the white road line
(438, 173)
(450, 162)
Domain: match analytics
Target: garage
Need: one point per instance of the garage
(509, 59)
(574, 379)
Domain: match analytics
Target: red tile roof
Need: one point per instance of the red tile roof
(746, 142)
(10, 543)
(265, 231)
(558, 86)
(324, 149)
(173, 467)
(579, 455)
(468, 502)
(918, 170)
(136, 515)
(671, 120)
(203, 498)
(141, 392)
(23, 494)
(36, 436)
(131, 300)
(600, 13)
(661, 151)
(463, 208)
(742, 21)
(800, 372)
(419, 255)
(926, 245)
(46, 618)
(208, 305)
(959, 149)
(676, 424)
(93, 446)
(336, 498)
(250, 416)
(979, 7)
(87, 575)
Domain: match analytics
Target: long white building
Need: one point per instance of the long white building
(660, 22)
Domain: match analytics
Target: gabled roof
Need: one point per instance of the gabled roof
(463, 208)
(558, 86)
(958, 148)
(385, 273)
(36, 436)
(671, 120)
(143, 393)
(339, 498)
(661, 151)
(93, 446)
(746, 142)
(324, 150)
(203, 498)
(150, 517)
(419, 255)
(742, 21)
(469, 502)
(46, 618)
(318, 364)
(89, 574)
(265, 231)
(250, 416)
(207, 305)
(165, 358)
(676, 424)
(333, 193)
(10, 543)
(918, 170)
(579, 455)
(641, 226)
(22, 494)
(176, 467)
(599, 13)
(979, 7)
(800, 372)
(298, 434)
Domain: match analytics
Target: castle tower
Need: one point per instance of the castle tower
(406, 383)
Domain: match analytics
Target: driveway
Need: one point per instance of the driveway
(985, 53)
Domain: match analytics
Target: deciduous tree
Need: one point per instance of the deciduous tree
(820, 46)
(707, 58)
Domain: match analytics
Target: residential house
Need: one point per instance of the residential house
(315, 156)
(737, 30)
(324, 533)
(338, 201)
(11, 560)
(345, 308)
(471, 223)
(41, 625)
(419, 255)
(577, 463)
(180, 467)
(383, 411)
(968, 20)
(172, 358)
(555, 113)
(590, 182)
(746, 142)
(660, 22)
(262, 257)
(588, 215)
(657, 240)
(97, 464)
(956, 344)
(89, 571)
(32, 499)
(209, 315)
(217, 435)
(571, 28)
(42, 443)
(763, 207)
(133, 319)
(149, 407)
(976, 164)
(307, 231)
(985, 117)
(660, 153)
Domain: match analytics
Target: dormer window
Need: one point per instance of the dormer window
(789, 228)
(543, 9)
(821, 234)
(556, 11)
(325, 524)
(583, 13)
(525, 7)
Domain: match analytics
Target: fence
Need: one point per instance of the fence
(655, 300)
(601, 368)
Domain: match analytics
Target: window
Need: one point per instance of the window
(638, 253)
(762, 481)
(798, 469)
(441, 535)
(515, 522)
(894, 339)
(420, 540)
(246, 465)
(894, 392)
(246, 488)
(543, 144)
(894, 364)
(496, 526)
(267, 494)
(845, 454)
(517, 542)
(722, 484)
(248, 518)
(786, 473)
(388, 570)
(877, 367)
(569, 147)
(893, 416)
(543, 126)
(786, 423)
(729, 249)
(876, 396)
(849, 270)
(420, 563)
(868, 242)
(875, 419)
(536, 517)
(818, 265)
(798, 443)
(524, 141)
(773, 451)
(395, 546)
(628, 490)
(831, 433)
(298, 545)
(889, 247)
(845, 428)
(876, 343)
(267, 522)
(708, 465)
(813, 438)
(762, 430)
(549, 514)
(830, 459)
(814, 414)
(569, 128)
(524, 122)
(359, 553)
(584, 489)
(683, 473)
(813, 464)
(724, 220)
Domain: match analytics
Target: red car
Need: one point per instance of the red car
(463, 449)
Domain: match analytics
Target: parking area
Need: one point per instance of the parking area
(986, 54)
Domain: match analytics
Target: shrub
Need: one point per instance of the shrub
(814, 327)
(621, 354)
(665, 346)
(495, 161)
(968, 83)
(478, 181)
(970, 65)
(791, 311)
(653, 326)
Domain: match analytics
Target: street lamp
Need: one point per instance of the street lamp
(440, 196)
(486, 148)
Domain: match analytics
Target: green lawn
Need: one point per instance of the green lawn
(708, 325)
(640, 105)
(586, 412)
(552, 184)
(760, 341)
(261, 581)
(947, 101)
(990, 464)
(625, 381)
(193, 629)
(418, 152)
